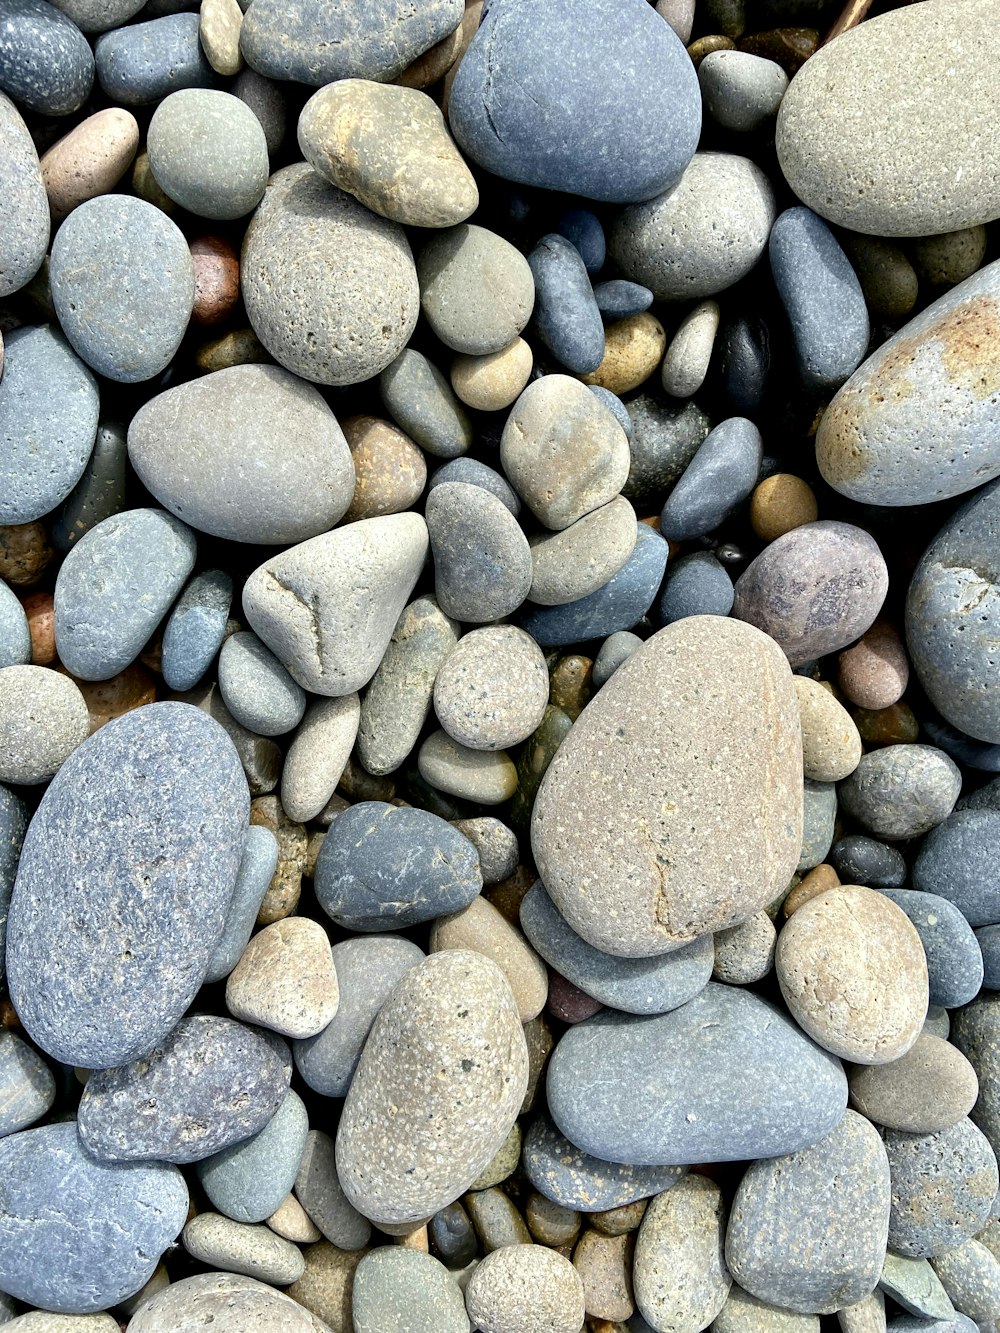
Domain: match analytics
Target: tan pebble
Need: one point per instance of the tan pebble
(496, 1220)
(550, 1223)
(286, 979)
(219, 25)
(888, 279)
(390, 470)
(504, 1162)
(481, 928)
(781, 503)
(689, 355)
(326, 1285)
(619, 1221)
(853, 973)
(145, 186)
(487, 777)
(604, 1264)
(950, 258)
(433, 64)
(239, 348)
(107, 699)
(491, 382)
(745, 953)
(571, 684)
(292, 1221)
(25, 553)
(417, 1239)
(704, 46)
(831, 745)
(864, 1316)
(875, 672)
(815, 882)
(216, 279)
(313, 849)
(90, 160)
(282, 896)
(41, 626)
(928, 1089)
(895, 725)
(633, 348)
(540, 1042)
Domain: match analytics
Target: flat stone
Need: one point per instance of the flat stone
(953, 863)
(285, 979)
(618, 298)
(943, 1187)
(612, 890)
(567, 318)
(141, 63)
(517, 1285)
(482, 562)
(492, 689)
(792, 1243)
(914, 1285)
(27, 1087)
(330, 288)
(215, 1240)
(419, 399)
(740, 91)
(230, 1302)
(305, 603)
(664, 439)
(108, 992)
(194, 630)
(247, 1181)
(46, 63)
(954, 959)
(318, 1189)
(629, 118)
(485, 777)
(24, 210)
(855, 127)
(679, 1272)
(114, 1221)
(476, 289)
(396, 1290)
(901, 791)
(608, 1074)
(453, 1011)
(719, 478)
(257, 866)
(390, 470)
(481, 928)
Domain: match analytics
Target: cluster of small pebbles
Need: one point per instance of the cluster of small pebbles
(499, 666)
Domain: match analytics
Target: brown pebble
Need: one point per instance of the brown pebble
(633, 349)
(239, 348)
(335, 806)
(145, 186)
(282, 896)
(41, 626)
(571, 684)
(507, 896)
(620, 1221)
(417, 1239)
(390, 470)
(888, 279)
(788, 47)
(313, 849)
(326, 1285)
(216, 279)
(467, 29)
(8, 1016)
(818, 880)
(492, 381)
(357, 784)
(704, 46)
(604, 1264)
(90, 160)
(107, 699)
(651, 521)
(875, 672)
(567, 1002)
(433, 64)
(551, 1223)
(781, 503)
(25, 553)
(152, 655)
(895, 725)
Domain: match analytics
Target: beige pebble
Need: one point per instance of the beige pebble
(286, 980)
(930, 1088)
(237, 1247)
(551, 1223)
(491, 382)
(745, 953)
(487, 777)
(390, 470)
(496, 1220)
(781, 503)
(291, 1221)
(219, 25)
(864, 1316)
(831, 745)
(604, 1264)
(874, 673)
(481, 928)
(619, 1221)
(90, 160)
(40, 1321)
(282, 896)
(633, 348)
(815, 882)
(949, 258)
(853, 973)
(690, 352)
(467, 30)
(326, 1284)
(504, 1162)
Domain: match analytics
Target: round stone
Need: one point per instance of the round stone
(741, 91)
(719, 478)
(943, 1187)
(216, 279)
(951, 257)
(396, 1290)
(390, 471)
(43, 718)
(901, 791)
(231, 1303)
(831, 746)
(285, 980)
(248, 1180)
(496, 845)
(633, 349)
(421, 402)
(493, 381)
(46, 63)
(90, 160)
(485, 777)
(929, 1088)
(518, 1286)
(744, 954)
(476, 289)
(256, 688)
(875, 672)
(779, 504)
(24, 211)
(482, 562)
(696, 585)
(492, 688)
(853, 973)
(679, 1271)
(207, 152)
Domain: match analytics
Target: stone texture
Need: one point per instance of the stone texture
(207, 152)
(43, 718)
(390, 470)
(745, 953)
(285, 980)
(141, 63)
(482, 562)
(46, 63)
(27, 1087)
(257, 866)
(914, 1286)
(485, 777)
(679, 1272)
(954, 862)
(740, 91)
(476, 289)
(419, 399)
(954, 958)
(943, 1187)
(875, 672)
(24, 213)
(195, 628)
(318, 1189)
(518, 1286)
(575, 1180)
(256, 688)
(719, 478)
(493, 381)
(481, 928)
(929, 1088)
(901, 791)
(567, 319)
(398, 1290)
(218, 1241)
(492, 689)
(230, 1302)
(831, 746)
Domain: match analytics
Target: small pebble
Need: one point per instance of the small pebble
(285, 980)
(219, 1242)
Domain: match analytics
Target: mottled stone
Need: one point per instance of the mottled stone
(743, 1313)
(741, 91)
(216, 279)
(481, 928)
(976, 1033)
(140, 63)
(664, 439)
(27, 1087)
(492, 381)
(679, 1271)
(476, 289)
(745, 953)
(901, 791)
(970, 1275)
(874, 673)
(482, 562)
(861, 860)
(492, 689)
(43, 718)
(954, 959)
(496, 845)
(633, 349)
(24, 212)
(616, 649)
(689, 352)
(46, 63)
(696, 585)
(951, 257)
(943, 1187)
(518, 1285)
(831, 746)
(914, 1286)
(390, 470)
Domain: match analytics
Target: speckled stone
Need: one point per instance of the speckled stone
(814, 590)
(256, 688)
(248, 1180)
(401, 1291)
(603, 1264)
(46, 63)
(27, 1087)
(41, 1321)
(504, 1163)
(929, 1088)
(97, 1230)
(618, 298)
(988, 938)
(195, 628)
(864, 1316)
(329, 287)
(614, 652)
(108, 995)
(454, 1011)
(628, 121)
(24, 210)
(419, 399)
(916, 422)
(901, 791)
(481, 928)
(633, 349)
(740, 91)
(257, 866)
(390, 470)
(492, 382)
(745, 953)
(485, 777)
(943, 1187)
(49, 404)
(855, 127)
(285, 980)
(318, 1189)
(665, 437)
(950, 258)
(574, 1179)
(794, 1243)
(496, 1220)
(207, 152)
(720, 477)
(976, 1033)
(970, 1275)
(701, 236)
(831, 746)
(743, 1313)
(476, 289)
(122, 285)
(875, 672)
(689, 352)
(316, 759)
(482, 562)
(780, 503)
(606, 892)
(954, 959)
(496, 845)
(219, 1242)
(314, 587)
(517, 1285)
(492, 689)
(819, 815)
(232, 1303)
(955, 862)
(679, 1271)
(142, 63)
(607, 1074)
(566, 317)
(43, 718)
(99, 493)
(695, 585)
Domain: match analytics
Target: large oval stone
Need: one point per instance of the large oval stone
(726, 1077)
(674, 806)
(123, 885)
(251, 453)
(24, 208)
(446, 1064)
(918, 421)
(908, 96)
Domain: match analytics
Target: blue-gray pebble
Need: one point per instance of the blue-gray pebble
(482, 561)
(249, 1180)
(384, 868)
(614, 405)
(24, 205)
(123, 886)
(819, 817)
(822, 298)
(114, 588)
(616, 649)
(195, 628)
(958, 860)
(620, 604)
(45, 61)
(78, 1236)
(628, 115)
(567, 318)
(943, 1187)
(122, 285)
(143, 62)
(474, 473)
(720, 476)
(976, 1033)
(988, 939)
(421, 402)
(618, 298)
(583, 229)
(861, 860)
(575, 1179)
(27, 1088)
(257, 689)
(954, 958)
(13, 822)
(49, 404)
(696, 585)
(633, 985)
(726, 1077)
(15, 637)
(257, 866)
(100, 492)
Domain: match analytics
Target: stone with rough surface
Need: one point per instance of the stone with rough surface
(679, 1272)
(230, 1302)
(943, 1188)
(24, 209)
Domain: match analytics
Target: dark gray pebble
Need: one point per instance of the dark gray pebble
(100, 492)
(27, 1088)
(901, 791)
(664, 439)
(696, 585)
(421, 402)
(861, 860)
(566, 315)
(45, 61)
(453, 1237)
(195, 628)
(943, 1187)
(144, 62)
(616, 649)
(743, 356)
(958, 860)
(619, 298)
(576, 1180)
(256, 688)
(954, 958)
(720, 476)
(583, 229)
(474, 473)
(980, 755)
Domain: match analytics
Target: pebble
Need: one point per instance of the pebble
(256, 688)
(740, 91)
(38, 1321)
(15, 632)
(142, 63)
(207, 152)
(954, 959)
(390, 148)
(679, 1273)
(855, 128)
(866, 1315)
(794, 1243)
(902, 790)
(266, 99)
(492, 689)
(486, 777)
(318, 1189)
(914, 1286)
(316, 759)
(831, 746)
(476, 289)
(970, 1275)
(390, 470)
(195, 628)
(618, 298)
(633, 349)
(583, 228)
(821, 296)
(27, 1087)
(747, 1109)
(787, 590)
(950, 258)
(454, 1010)
(496, 845)
(210, 1083)
(745, 953)
(954, 862)
(745, 361)
(602, 1263)
(616, 736)
(719, 478)
(665, 437)
(285, 980)
(128, 324)
(257, 867)
(305, 605)
(943, 1187)
(932, 385)
(46, 63)
(743, 1313)
(356, 310)
(517, 1285)
(861, 860)
(616, 649)
(689, 352)
(49, 404)
(929, 1088)
(114, 1221)
(24, 213)
(230, 1302)
(875, 672)
(629, 117)
(219, 25)
(419, 398)
(219, 1242)
(496, 1220)
(90, 160)
(43, 718)
(216, 279)
(633, 985)
(396, 1290)
(481, 928)
(695, 585)
(819, 807)
(567, 318)
(780, 503)
(482, 562)
(701, 236)
(977, 1035)
(492, 382)
(292, 1221)
(106, 996)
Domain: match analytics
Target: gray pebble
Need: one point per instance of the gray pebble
(27, 1087)
(46, 63)
(954, 958)
(261, 758)
(956, 862)
(517, 1285)
(99, 493)
(665, 437)
(207, 152)
(574, 1179)
(231, 1303)
(913, 1285)
(901, 791)
(96, 16)
(819, 817)
(976, 1033)
(141, 63)
(402, 1291)
(249, 1179)
(697, 584)
(740, 91)
(318, 1190)
(257, 866)
(24, 206)
(476, 289)
(471, 471)
(496, 845)
(195, 628)
(257, 1251)
(679, 1271)
(616, 649)
(988, 938)
(318, 755)
(257, 689)
(689, 352)
(614, 405)
(266, 100)
(745, 953)
(575, 562)
(15, 637)
(743, 1313)
(865, 1316)
(421, 402)
(13, 822)
(943, 1187)
(43, 718)
(492, 689)
(970, 1274)
(720, 476)
(482, 562)
(485, 777)
(567, 317)
(618, 298)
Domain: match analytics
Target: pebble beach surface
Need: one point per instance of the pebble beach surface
(499, 678)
